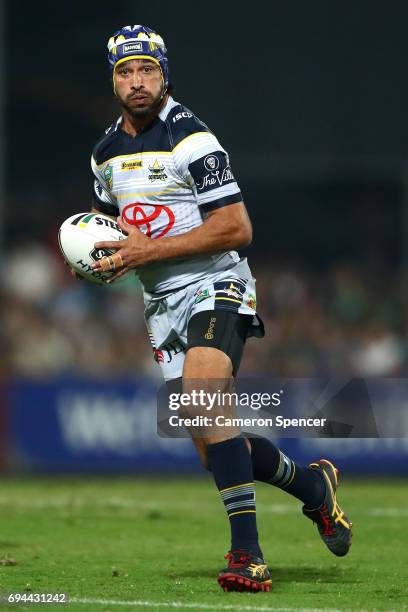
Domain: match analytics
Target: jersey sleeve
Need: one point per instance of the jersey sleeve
(204, 165)
(102, 198)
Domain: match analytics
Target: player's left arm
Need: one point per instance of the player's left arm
(225, 228)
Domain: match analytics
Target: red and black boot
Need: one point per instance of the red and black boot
(245, 572)
(333, 525)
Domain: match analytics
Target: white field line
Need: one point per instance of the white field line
(78, 502)
(193, 606)
(390, 512)
(123, 503)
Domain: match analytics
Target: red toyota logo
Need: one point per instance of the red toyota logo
(138, 214)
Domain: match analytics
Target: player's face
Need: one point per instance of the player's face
(139, 85)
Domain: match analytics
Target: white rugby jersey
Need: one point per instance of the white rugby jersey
(164, 181)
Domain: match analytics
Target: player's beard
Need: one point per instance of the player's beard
(145, 112)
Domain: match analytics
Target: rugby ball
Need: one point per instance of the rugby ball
(77, 237)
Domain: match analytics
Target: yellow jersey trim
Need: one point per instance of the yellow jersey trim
(229, 299)
(147, 194)
(157, 153)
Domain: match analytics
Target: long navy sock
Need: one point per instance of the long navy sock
(231, 465)
(270, 465)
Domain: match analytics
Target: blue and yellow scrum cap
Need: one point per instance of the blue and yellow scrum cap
(135, 42)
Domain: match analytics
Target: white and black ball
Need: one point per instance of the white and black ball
(77, 237)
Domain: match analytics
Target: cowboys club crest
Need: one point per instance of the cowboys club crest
(157, 172)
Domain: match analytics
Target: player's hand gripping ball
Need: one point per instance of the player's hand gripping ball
(77, 237)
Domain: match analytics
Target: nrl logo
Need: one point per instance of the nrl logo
(108, 176)
(200, 295)
(157, 172)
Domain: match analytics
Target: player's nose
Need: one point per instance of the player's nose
(137, 80)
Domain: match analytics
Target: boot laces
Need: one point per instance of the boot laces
(237, 558)
(328, 529)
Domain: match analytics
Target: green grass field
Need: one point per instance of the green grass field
(144, 544)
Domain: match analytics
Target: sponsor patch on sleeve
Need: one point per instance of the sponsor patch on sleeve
(100, 193)
(102, 200)
(211, 171)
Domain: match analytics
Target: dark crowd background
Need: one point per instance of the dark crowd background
(310, 100)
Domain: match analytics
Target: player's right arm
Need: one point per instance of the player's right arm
(102, 201)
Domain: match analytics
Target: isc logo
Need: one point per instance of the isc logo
(183, 115)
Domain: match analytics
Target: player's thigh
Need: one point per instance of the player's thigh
(202, 362)
(167, 344)
(215, 343)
